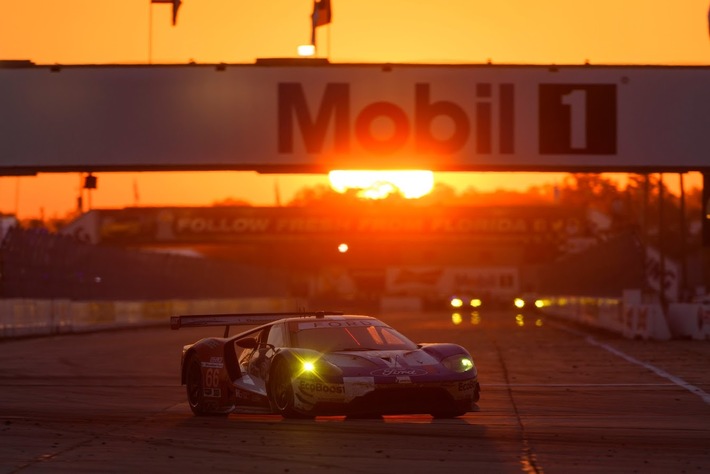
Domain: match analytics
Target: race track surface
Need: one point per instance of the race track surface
(555, 399)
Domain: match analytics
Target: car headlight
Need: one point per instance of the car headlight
(318, 368)
(458, 363)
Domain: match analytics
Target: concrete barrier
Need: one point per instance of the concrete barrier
(703, 323)
(611, 315)
(690, 320)
(684, 319)
(627, 316)
(25, 317)
(651, 323)
(630, 314)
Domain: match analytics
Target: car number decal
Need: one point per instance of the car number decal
(212, 378)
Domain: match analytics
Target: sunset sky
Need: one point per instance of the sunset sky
(666, 32)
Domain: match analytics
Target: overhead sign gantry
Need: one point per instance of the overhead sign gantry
(310, 116)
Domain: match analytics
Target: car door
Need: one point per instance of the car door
(250, 387)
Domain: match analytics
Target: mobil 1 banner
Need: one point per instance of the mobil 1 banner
(358, 116)
(506, 118)
(577, 119)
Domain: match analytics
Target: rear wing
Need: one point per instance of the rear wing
(241, 319)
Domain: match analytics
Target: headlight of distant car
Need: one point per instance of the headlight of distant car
(456, 302)
(458, 363)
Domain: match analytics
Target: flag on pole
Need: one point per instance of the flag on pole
(322, 15)
(176, 5)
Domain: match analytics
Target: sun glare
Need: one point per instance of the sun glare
(411, 184)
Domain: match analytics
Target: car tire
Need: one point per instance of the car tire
(194, 388)
(195, 392)
(281, 391)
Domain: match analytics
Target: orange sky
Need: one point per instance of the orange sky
(232, 31)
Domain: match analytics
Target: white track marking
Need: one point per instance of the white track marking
(660, 372)
(704, 396)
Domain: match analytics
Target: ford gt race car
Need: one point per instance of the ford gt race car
(322, 363)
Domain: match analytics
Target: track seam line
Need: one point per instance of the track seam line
(529, 459)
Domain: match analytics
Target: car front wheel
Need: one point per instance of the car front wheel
(281, 391)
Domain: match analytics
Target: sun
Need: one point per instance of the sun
(376, 184)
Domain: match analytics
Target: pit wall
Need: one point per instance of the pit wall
(632, 318)
(25, 317)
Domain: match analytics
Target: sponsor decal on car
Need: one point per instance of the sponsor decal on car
(399, 371)
(214, 363)
(212, 392)
(358, 386)
(467, 385)
(338, 324)
(320, 388)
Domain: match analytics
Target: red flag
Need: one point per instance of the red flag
(176, 5)
(322, 13)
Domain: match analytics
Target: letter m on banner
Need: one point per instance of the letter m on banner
(294, 114)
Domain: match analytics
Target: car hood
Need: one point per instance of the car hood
(403, 362)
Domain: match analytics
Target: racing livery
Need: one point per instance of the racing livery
(322, 363)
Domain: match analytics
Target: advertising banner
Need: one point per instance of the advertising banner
(315, 118)
(216, 224)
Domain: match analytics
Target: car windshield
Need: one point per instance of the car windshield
(341, 337)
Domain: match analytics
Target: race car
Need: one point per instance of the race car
(301, 365)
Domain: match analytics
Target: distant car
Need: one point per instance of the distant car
(465, 302)
(473, 302)
(528, 301)
(322, 363)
